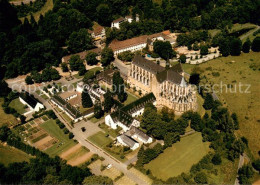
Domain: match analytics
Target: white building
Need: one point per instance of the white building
(128, 141)
(116, 23)
(30, 101)
(137, 134)
(139, 43)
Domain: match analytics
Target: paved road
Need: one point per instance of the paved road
(121, 66)
(249, 33)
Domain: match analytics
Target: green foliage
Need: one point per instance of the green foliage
(75, 62)
(201, 178)
(119, 87)
(186, 39)
(164, 50)
(107, 56)
(64, 67)
(108, 102)
(256, 164)
(204, 50)
(28, 80)
(216, 159)
(126, 56)
(25, 9)
(91, 58)
(182, 58)
(89, 76)
(86, 99)
(244, 174)
(98, 112)
(80, 41)
(4, 133)
(235, 47)
(246, 46)
(256, 44)
(5, 90)
(209, 102)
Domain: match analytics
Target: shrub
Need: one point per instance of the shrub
(66, 131)
(201, 178)
(216, 160)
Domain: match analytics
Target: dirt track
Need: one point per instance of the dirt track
(21, 1)
(81, 159)
(65, 154)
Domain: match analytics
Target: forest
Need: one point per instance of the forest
(29, 46)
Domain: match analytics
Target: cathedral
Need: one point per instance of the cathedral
(168, 85)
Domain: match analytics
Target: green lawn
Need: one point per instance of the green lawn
(179, 158)
(95, 120)
(130, 98)
(66, 117)
(95, 69)
(17, 105)
(108, 130)
(64, 142)
(44, 96)
(10, 155)
(100, 139)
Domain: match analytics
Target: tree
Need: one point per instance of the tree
(201, 178)
(216, 159)
(246, 46)
(86, 99)
(235, 47)
(126, 56)
(244, 174)
(82, 70)
(209, 102)
(256, 44)
(5, 90)
(108, 101)
(98, 112)
(164, 49)
(4, 132)
(97, 180)
(256, 164)
(204, 50)
(119, 87)
(107, 56)
(75, 62)
(182, 58)
(89, 76)
(80, 41)
(22, 119)
(64, 67)
(28, 80)
(91, 58)
(224, 47)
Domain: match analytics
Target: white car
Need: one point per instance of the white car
(109, 166)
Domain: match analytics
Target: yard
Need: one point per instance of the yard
(8, 119)
(100, 139)
(235, 70)
(9, 155)
(179, 158)
(18, 106)
(130, 98)
(63, 144)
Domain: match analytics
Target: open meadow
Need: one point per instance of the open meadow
(230, 72)
(10, 154)
(179, 158)
(7, 119)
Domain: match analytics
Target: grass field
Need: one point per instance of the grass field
(64, 142)
(17, 105)
(234, 70)
(100, 139)
(8, 119)
(130, 98)
(48, 6)
(179, 158)
(10, 155)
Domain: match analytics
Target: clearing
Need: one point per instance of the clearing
(100, 139)
(8, 119)
(179, 158)
(232, 71)
(10, 154)
(18, 106)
